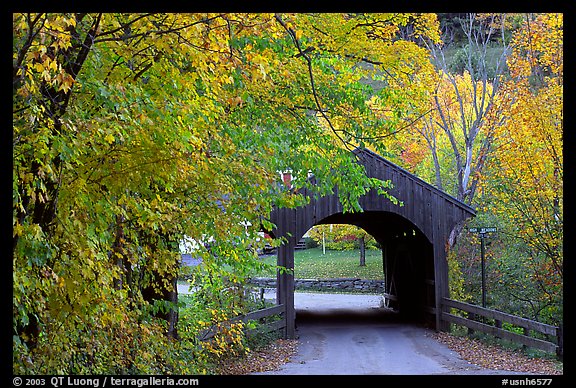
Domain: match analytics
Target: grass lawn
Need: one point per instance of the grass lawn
(313, 264)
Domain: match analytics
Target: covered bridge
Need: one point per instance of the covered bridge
(413, 238)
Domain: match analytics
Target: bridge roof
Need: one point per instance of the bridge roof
(432, 211)
(364, 153)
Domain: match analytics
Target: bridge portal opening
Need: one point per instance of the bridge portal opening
(406, 262)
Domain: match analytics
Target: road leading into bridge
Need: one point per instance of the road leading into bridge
(343, 334)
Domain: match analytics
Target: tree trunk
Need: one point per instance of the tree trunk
(362, 251)
(43, 211)
(156, 290)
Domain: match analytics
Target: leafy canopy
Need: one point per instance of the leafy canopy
(131, 131)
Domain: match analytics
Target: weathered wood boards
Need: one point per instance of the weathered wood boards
(554, 344)
(413, 236)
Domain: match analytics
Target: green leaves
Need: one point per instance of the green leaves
(132, 131)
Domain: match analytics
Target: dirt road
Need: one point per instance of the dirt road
(343, 334)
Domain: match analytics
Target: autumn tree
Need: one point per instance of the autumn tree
(131, 131)
(343, 237)
(448, 143)
(462, 100)
(524, 184)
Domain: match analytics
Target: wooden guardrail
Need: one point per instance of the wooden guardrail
(267, 312)
(554, 344)
(256, 316)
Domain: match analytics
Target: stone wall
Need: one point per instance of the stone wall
(340, 284)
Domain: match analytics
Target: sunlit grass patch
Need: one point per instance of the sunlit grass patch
(312, 263)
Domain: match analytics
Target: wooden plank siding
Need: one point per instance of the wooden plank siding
(427, 214)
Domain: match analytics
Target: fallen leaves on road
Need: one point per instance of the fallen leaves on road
(492, 357)
(270, 357)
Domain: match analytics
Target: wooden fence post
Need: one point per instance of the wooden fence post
(560, 339)
(526, 332)
(498, 324)
(472, 317)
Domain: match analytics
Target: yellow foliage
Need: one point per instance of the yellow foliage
(173, 124)
(527, 180)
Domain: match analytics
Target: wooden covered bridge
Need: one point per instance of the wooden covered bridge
(413, 238)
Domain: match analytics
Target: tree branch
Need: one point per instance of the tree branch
(304, 54)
